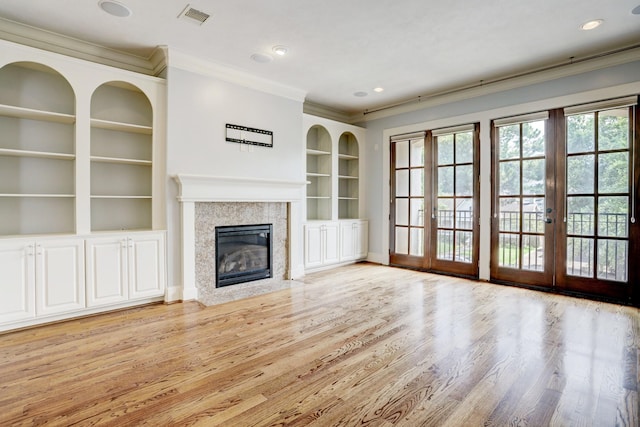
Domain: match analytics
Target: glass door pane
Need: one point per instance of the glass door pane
(522, 228)
(454, 233)
(597, 168)
(408, 201)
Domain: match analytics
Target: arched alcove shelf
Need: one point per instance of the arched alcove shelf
(319, 173)
(37, 150)
(348, 176)
(121, 158)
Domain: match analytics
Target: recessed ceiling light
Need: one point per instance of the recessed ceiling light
(360, 94)
(378, 89)
(636, 10)
(115, 8)
(591, 25)
(280, 50)
(261, 58)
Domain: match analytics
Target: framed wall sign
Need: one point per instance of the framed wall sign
(251, 136)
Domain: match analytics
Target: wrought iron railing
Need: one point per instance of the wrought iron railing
(607, 259)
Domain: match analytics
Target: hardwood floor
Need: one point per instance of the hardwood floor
(359, 345)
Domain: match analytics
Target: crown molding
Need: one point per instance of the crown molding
(319, 110)
(574, 67)
(205, 67)
(53, 42)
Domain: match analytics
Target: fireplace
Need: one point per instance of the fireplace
(207, 202)
(243, 253)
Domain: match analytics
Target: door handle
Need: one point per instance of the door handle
(548, 220)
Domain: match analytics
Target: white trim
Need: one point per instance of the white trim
(77, 314)
(80, 49)
(522, 118)
(190, 63)
(407, 136)
(378, 258)
(206, 188)
(454, 129)
(504, 84)
(608, 104)
(324, 111)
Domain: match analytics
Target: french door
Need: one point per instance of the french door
(524, 204)
(564, 200)
(434, 201)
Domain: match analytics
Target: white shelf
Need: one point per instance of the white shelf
(347, 198)
(313, 152)
(319, 197)
(29, 113)
(34, 195)
(119, 160)
(347, 177)
(347, 156)
(120, 126)
(118, 197)
(39, 154)
(318, 174)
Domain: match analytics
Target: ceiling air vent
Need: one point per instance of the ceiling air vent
(193, 15)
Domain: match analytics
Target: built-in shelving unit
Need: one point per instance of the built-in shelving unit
(335, 232)
(348, 176)
(121, 158)
(81, 198)
(37, 151)
(319, 173)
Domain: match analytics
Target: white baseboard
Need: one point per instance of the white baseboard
(297, 272)
(178, 293)
(378, 258)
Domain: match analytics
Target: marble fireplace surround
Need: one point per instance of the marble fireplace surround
(203, 196)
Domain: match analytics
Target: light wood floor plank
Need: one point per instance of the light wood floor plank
(358, 345)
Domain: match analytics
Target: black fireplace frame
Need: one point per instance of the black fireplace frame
(249, 275)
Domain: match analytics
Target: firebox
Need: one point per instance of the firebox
(243, 254)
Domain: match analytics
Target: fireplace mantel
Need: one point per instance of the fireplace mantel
(206, 188)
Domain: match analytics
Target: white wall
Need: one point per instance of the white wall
(602, 84)
(199, 107)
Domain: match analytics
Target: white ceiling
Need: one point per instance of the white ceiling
(339, 47)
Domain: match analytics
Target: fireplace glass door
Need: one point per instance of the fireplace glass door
(243, 254)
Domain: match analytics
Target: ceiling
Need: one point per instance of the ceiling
(337, 48)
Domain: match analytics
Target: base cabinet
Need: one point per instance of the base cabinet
(321, 244)
(124, 268)
(47, 279)
(353, 240)
(333, 242)
(40, 278)
(106, 271)
(17, 281)
(60, 279)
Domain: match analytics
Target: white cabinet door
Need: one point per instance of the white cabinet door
(313, 246)
(331, 243)
(60, 280)
(354, 239)
(347, 241)
(361, 239)
(321, 244)
(17, 281)
(146, 265)
(126, 267)
(107, 271)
